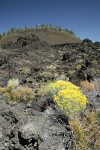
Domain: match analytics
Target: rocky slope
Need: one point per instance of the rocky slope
(50, 36)
(33, 59)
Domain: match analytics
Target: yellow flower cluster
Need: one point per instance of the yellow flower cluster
(68, 96)
(63, 84)
(71, 101)
(54, 88)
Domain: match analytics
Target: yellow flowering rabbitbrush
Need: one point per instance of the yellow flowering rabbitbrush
(67, 96)
(70, 101)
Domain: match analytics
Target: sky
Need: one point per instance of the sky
(82, 16)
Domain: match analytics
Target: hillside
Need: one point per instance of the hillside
(30, 119)
(50, 36)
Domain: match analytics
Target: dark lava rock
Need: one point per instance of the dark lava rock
(84, 73)
(66, 56)
(27, 128)
(46, 132)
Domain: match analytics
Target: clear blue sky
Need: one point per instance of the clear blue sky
(82, 16)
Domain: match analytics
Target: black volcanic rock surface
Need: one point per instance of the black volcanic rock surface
(32, 54)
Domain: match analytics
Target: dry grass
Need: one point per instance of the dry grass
(88, 86)
(14, 92)
(46, 74)
(86, 130)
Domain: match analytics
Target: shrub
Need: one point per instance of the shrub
(90, 117)
(14, 92)
(86, 130)
(88, 86)
(26, 93)
(79, 135)
(13, 83)
(46, 74)
(67, 96)
(71, 101)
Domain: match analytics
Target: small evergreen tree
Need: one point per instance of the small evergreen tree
(66, 30)
(0, 36)
(37, 26)
(59, 28)
(3, 34)
(25, 27)
(12, 29)
(72, 32)
(8, 33)
(42, 25)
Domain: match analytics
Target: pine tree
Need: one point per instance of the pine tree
(0, 36)
(3, 34)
